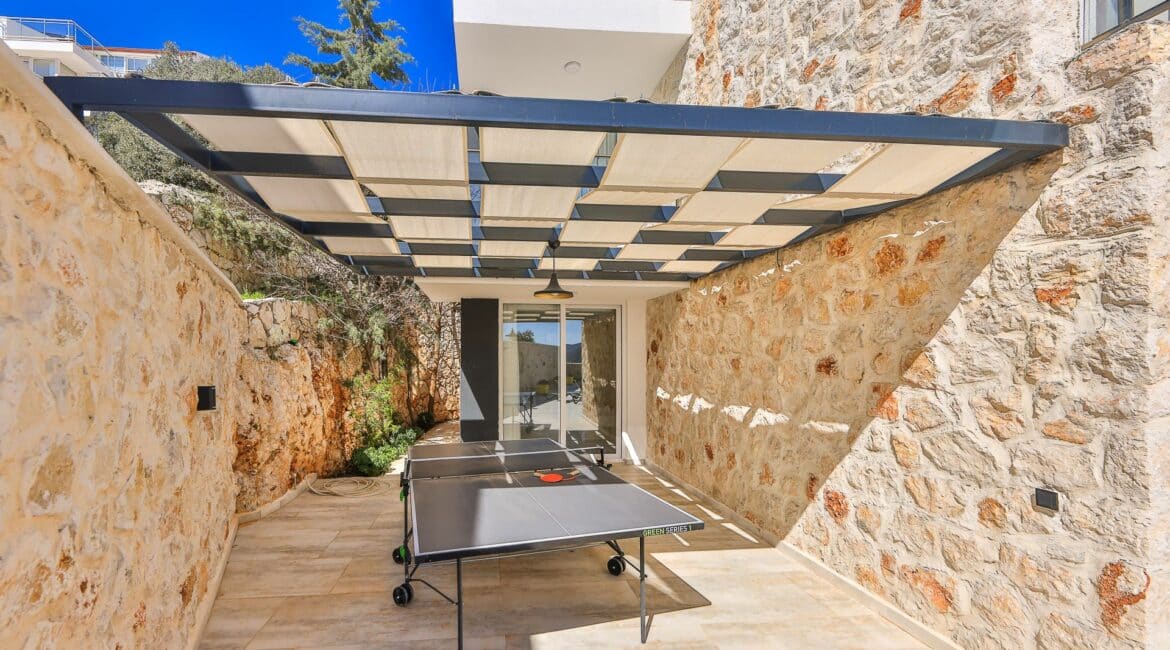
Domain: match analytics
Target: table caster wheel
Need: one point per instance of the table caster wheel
(401, 555)
(403, 594)
(615, 565)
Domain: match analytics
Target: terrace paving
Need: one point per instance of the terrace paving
(318, 574)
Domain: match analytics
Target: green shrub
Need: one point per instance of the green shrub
(374, 461)
(252, 295)
(384, 438)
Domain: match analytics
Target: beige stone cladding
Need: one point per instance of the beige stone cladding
(116, 493)
(887, 396)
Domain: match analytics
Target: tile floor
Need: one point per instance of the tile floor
(318, 574)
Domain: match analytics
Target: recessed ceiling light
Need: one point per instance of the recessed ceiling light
(573, 67)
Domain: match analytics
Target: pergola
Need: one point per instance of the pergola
(453, 185)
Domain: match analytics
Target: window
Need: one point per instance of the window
(1106, 16)
(114, 63)
(136, 65)
(44, 67)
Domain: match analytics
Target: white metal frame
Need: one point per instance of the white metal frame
(619, 370)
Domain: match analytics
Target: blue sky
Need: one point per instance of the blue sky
(254, 31)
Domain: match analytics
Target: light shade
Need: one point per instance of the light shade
(554, 290)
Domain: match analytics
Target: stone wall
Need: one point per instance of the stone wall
(887, 396)
(115, 493)
(295, 396)
(599, 370)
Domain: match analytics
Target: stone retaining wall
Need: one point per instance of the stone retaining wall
(886, 397)
(116, 494)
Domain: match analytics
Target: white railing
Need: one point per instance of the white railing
(50, 29)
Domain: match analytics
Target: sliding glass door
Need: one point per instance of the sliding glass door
(591, 378)
(531, 372)
(559, 374)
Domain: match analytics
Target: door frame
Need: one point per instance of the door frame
(619, 369)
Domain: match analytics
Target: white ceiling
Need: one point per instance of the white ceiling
(520, 47)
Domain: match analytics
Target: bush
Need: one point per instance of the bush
(374, 461)
(384, 438)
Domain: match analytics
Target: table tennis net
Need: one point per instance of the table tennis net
(501, 462)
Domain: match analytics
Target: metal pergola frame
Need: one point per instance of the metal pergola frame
(146, 103)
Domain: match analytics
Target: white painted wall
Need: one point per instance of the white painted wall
(634, 383)
(520, 48)
(658, 16)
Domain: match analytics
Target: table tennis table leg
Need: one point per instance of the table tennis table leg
(642, 584)
(459, 598)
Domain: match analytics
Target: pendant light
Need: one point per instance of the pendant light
(553, 291)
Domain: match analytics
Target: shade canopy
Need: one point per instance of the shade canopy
(451, 185)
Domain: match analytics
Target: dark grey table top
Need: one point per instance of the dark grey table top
(512, 510)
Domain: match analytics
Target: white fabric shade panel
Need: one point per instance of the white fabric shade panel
(631, 197)
(455, 192)
(700, 184)
(568, 264)
(533, 146)
(788, 156)
(726, 207)
(689, 266)
(411, 228)
(518, 249)
(652, 252)
(761, 236)
(309, 196)
(600, 232)
(442, 261)
(525, 202)
(265, 135)
(655, 161)
(379, 150)
(910, 169)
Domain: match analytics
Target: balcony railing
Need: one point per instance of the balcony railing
(50, 29)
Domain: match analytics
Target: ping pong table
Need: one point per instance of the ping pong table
(479, 499)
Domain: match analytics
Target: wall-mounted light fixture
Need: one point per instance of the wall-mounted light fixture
(205, 398)
(1046, 500)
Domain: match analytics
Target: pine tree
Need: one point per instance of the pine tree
(366, 48)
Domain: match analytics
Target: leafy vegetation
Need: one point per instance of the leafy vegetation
(253, 295)
(398, 329)
(141, 156)
(365, 47)
(384, 437)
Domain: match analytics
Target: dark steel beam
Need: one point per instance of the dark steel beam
(494, 173)
(435, 248)
(628, 266)
(680, 237)
(506, 262)
(779, 217)
(428, 207)
(781, 183)
(640, 213)
(587, 252)
(516, 233)
(379, 260)
(335, 229)
(158, 96)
